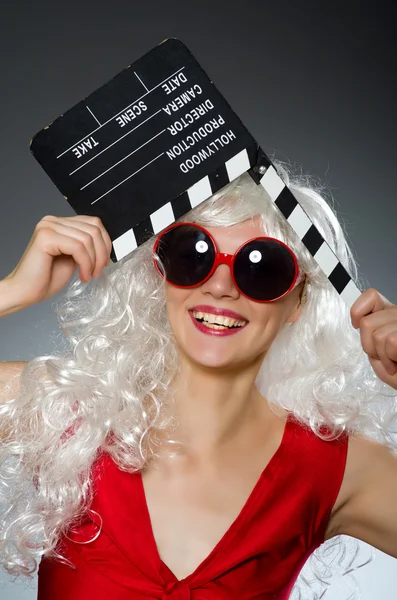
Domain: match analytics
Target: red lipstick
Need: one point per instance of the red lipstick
(204, 308)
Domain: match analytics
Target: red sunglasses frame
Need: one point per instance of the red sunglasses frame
(222, 258)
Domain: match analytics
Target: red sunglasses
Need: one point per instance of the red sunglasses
(263, 269)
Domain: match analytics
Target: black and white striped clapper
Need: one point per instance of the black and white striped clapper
(154, 142)
(266, 175)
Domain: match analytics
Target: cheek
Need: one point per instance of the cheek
(176, 296)
(265, 314)
(268, 321)
(176, 303)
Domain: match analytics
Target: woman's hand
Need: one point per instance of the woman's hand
(376, 318)
(58, 246)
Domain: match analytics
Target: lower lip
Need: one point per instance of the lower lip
(217, 332)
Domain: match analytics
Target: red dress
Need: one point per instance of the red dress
(259, 557)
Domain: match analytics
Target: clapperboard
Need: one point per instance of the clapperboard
(154, 142)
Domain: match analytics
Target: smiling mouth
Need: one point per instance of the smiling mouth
(217, 321)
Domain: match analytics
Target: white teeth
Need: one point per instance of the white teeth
(218, 320)
(214, 326)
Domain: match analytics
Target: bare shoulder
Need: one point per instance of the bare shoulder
(10, 373)
(363, 455)
(365, 459)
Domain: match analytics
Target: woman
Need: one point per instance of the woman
(200, 441)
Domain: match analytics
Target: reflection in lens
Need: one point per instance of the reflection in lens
(255, 256)
(201, 247)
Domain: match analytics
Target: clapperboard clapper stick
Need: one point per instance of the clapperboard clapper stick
(155, 141)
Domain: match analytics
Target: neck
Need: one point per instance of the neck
(214, 407)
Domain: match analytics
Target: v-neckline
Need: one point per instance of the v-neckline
(234, 527)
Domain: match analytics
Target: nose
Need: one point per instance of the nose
(220, 284)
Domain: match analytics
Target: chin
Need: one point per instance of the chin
(211, 359)
(215, 366)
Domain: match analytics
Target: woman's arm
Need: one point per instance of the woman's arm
(9, 303)
(370, 513)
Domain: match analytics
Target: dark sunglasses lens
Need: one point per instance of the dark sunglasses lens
(264, 269)
(187, 254)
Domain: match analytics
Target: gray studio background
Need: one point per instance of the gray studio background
(313, 81)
